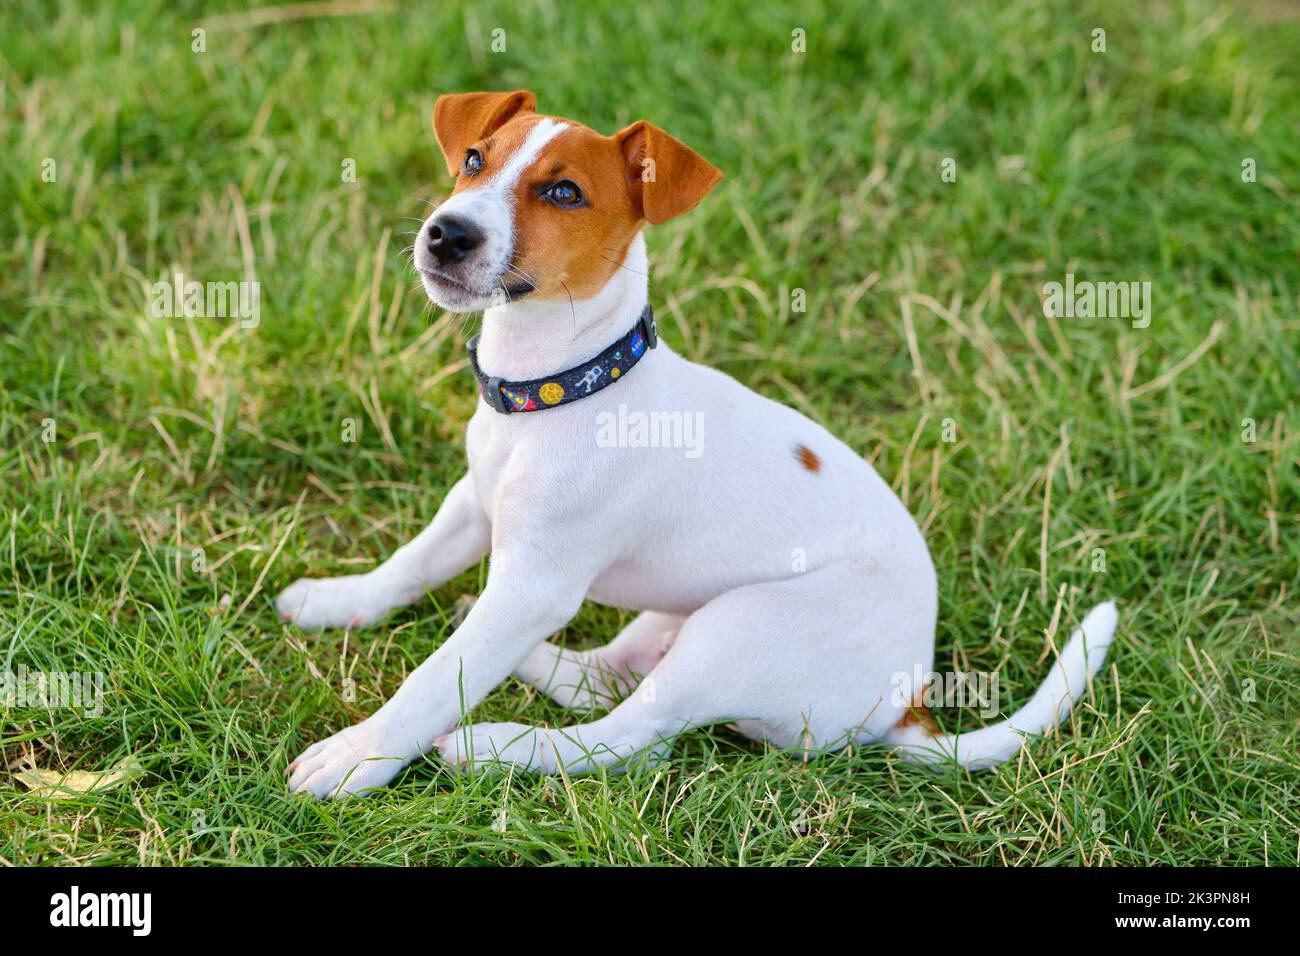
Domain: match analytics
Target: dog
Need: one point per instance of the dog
(781, 585)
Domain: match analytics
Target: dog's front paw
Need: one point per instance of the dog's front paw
(349, 601)
(352, 762)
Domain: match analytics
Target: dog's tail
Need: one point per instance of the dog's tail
(1081, 657)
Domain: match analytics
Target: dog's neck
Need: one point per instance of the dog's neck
(531, 339)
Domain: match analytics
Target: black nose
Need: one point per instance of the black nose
(451, 239)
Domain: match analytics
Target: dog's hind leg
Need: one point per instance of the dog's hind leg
(805, 662)
(586, 680)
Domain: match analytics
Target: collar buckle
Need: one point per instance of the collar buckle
(489, 385)
(494, 396)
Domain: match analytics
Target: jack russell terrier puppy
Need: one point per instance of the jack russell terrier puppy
(543, 231)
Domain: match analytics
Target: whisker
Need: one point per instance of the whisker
(572, 311)
(623, 265)
(531, 280)
(467, 320)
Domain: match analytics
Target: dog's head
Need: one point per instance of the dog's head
(544, 207)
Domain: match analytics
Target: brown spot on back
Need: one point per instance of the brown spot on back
(807, 458)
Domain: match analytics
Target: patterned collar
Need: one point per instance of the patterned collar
(572, 384)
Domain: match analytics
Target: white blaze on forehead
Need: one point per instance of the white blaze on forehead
(525, 155)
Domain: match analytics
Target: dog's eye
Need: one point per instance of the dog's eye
(564, 193)
(473, 161)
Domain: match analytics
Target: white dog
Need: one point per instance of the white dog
(781, 583)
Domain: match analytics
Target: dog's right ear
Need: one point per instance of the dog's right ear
(460, 119)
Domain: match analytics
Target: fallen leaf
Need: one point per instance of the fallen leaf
(54, 785)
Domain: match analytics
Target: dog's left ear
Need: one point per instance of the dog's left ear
(460, 119)
(665, 177)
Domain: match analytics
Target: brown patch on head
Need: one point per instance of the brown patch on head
(918, 715)
(808, 458)
(574, 251)
(638, 175)
(495, 149)
(461, 119)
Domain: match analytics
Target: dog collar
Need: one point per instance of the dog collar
(572, 384)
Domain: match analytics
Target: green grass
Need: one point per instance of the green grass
(174, 435)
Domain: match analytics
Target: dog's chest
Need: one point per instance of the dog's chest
(506, 451)
(488, 448)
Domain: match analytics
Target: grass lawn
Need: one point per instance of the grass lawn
(162, 478)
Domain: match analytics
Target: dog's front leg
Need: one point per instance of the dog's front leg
(528, 597)
(455, 540)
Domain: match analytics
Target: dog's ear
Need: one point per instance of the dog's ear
(460, 119)
(665, 177)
